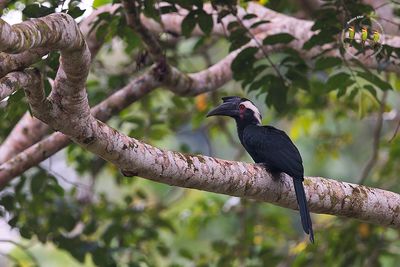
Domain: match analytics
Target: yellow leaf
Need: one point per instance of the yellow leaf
(201, 102)
(363, 230)
(257, 240)
(300, 247)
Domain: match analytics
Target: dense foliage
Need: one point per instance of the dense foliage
(329, 105)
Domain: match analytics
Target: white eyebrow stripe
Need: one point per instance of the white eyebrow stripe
(251, 106)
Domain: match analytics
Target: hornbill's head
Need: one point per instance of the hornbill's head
(241, 109)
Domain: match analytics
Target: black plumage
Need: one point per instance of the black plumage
(269, 146)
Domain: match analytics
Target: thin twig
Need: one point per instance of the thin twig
(132, 15)
(375, 143)
(381, 5)
(261, 47)
(395, 131)
(390, 21)
(357, 85)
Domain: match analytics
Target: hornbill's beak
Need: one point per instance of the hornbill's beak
(225, 109)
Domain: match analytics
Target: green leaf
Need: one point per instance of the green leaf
(319, 39)
(131, 39)
(205, 22)
(220, 246)
(98, 3)
(185, 253)
(141, 194)
(249, 16)
(243, 63)
(340, 80)
(16, 105)
(75, 12)
(298, 77)
(276, 93)
(157, 133)
(257, 84)
(278, 38)
(163, 249)
(38, 183)
(168, 9)
(19, 186)
(151, 11)
(188, 24)
(327, 62)
(372, 90)
(233, 25)
(258, 23)
(7, 202)
(375, 80)
(37, 11)
(102, 31)
(238, 38)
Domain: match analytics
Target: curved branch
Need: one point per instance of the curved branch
(40, 151)
(21, 137)
(30, 130)
(204, 81)
(180, 83)
(13, 62)
(240, 179)
(10, 83)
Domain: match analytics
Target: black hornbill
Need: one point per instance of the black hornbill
(269, 146)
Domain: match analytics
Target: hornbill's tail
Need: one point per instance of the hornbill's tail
(303, 208)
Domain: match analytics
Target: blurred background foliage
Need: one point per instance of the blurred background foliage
(334, 113)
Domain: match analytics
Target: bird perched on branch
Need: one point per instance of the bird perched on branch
(269, 146)
(375, 36)
(351, 33)
(375, 39)
(364, 35)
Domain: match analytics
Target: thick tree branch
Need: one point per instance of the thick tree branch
(10, 83)
(182, 84)
(35, 154)
(30, 130)
(135, 158)
(204, 81)
(178, 82)
(14, 62)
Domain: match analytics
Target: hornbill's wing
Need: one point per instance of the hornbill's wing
(273, 147)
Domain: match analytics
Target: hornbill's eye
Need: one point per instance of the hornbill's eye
(242, 107)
